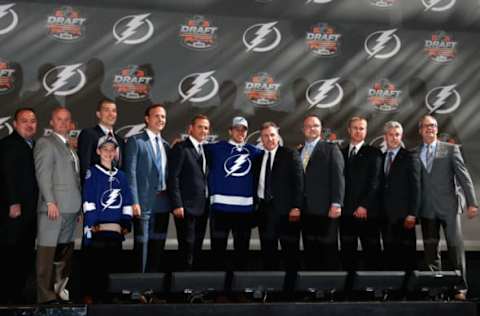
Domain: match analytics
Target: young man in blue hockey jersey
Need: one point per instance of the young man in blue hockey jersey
(230, 185)
(107, 207)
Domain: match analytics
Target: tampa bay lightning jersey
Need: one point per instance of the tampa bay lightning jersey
(230, 176)
(106, 199)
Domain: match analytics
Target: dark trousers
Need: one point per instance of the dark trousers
(150, 231)
(399, 246)
(320, 242)
(190, 233)
(240, 224)
(368, 232)
(53, 267)
(274, 227)
(15, 266)
(453, 235)
(102, 257)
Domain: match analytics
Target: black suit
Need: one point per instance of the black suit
(186, 185)
(87, 148)
(18, 185)
(400, 197)
(362, 182)
(273, 212)
(324, 186)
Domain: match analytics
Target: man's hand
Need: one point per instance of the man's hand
(52, 211)
(294, 215)
(178, 212)
(136, 210)
(334, 212)
(409, 222)
(15, 210)
(360, 213)
(472, 211)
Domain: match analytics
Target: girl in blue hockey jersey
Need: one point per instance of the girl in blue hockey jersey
(107, 210)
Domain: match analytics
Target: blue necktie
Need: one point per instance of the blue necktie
(158, 161)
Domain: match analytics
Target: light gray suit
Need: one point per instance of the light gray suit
(439, 204)
(57, 171)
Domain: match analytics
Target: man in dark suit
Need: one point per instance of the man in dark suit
(442, 169)
(146, 168)
(18, 206)
(88, 139)
(279, 191)
(360, 212)
(187, 189)
(324, 191)
(400, 201)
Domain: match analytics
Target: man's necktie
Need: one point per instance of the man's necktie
(389, 162)
(429, 157)
(267, 195)
(201, 160)
(306, 157)
(158, 161)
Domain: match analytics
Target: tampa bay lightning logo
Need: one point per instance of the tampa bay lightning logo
(238, 164)
(111, 199)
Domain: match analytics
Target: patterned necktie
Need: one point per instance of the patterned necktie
(158, 161)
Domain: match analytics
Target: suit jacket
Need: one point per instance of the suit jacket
(142, 171)
(58, 180)
(87, 148)
(324, 179)
(362, 180)
(18, 185)
(286, 180)
(400, 188)
(186, 181)
(439, 197)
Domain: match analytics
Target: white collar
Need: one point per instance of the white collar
(114, 171)
(152, 135)
(61, 137)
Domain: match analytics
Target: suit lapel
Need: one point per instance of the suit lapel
(150, 151)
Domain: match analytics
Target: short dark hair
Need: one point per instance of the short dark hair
(102, 102)
(356, 118)
(198, 117)
(22, 109)
(153, 106)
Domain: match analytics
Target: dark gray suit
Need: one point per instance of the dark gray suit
(324, 186)
(57, 171)
(439, 204)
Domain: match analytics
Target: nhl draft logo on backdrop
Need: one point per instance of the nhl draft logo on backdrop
(133, 29)
(438, 5)
(443, 100)
(382, 44)
(66, 24)
(323, 40)
(324, 93)
(8, 18)
(441, 48)
(133, 83)
(384, 96)
(239, 163)
(7, 77)
(198, 33)
(64, 80)
(383, 3)
(198, 87)
(262, 37)
(262, 89)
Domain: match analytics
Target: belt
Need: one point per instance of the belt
(164, 192)
(112, 227)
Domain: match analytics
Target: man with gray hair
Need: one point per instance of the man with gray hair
(400, 200)
(442, 168)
